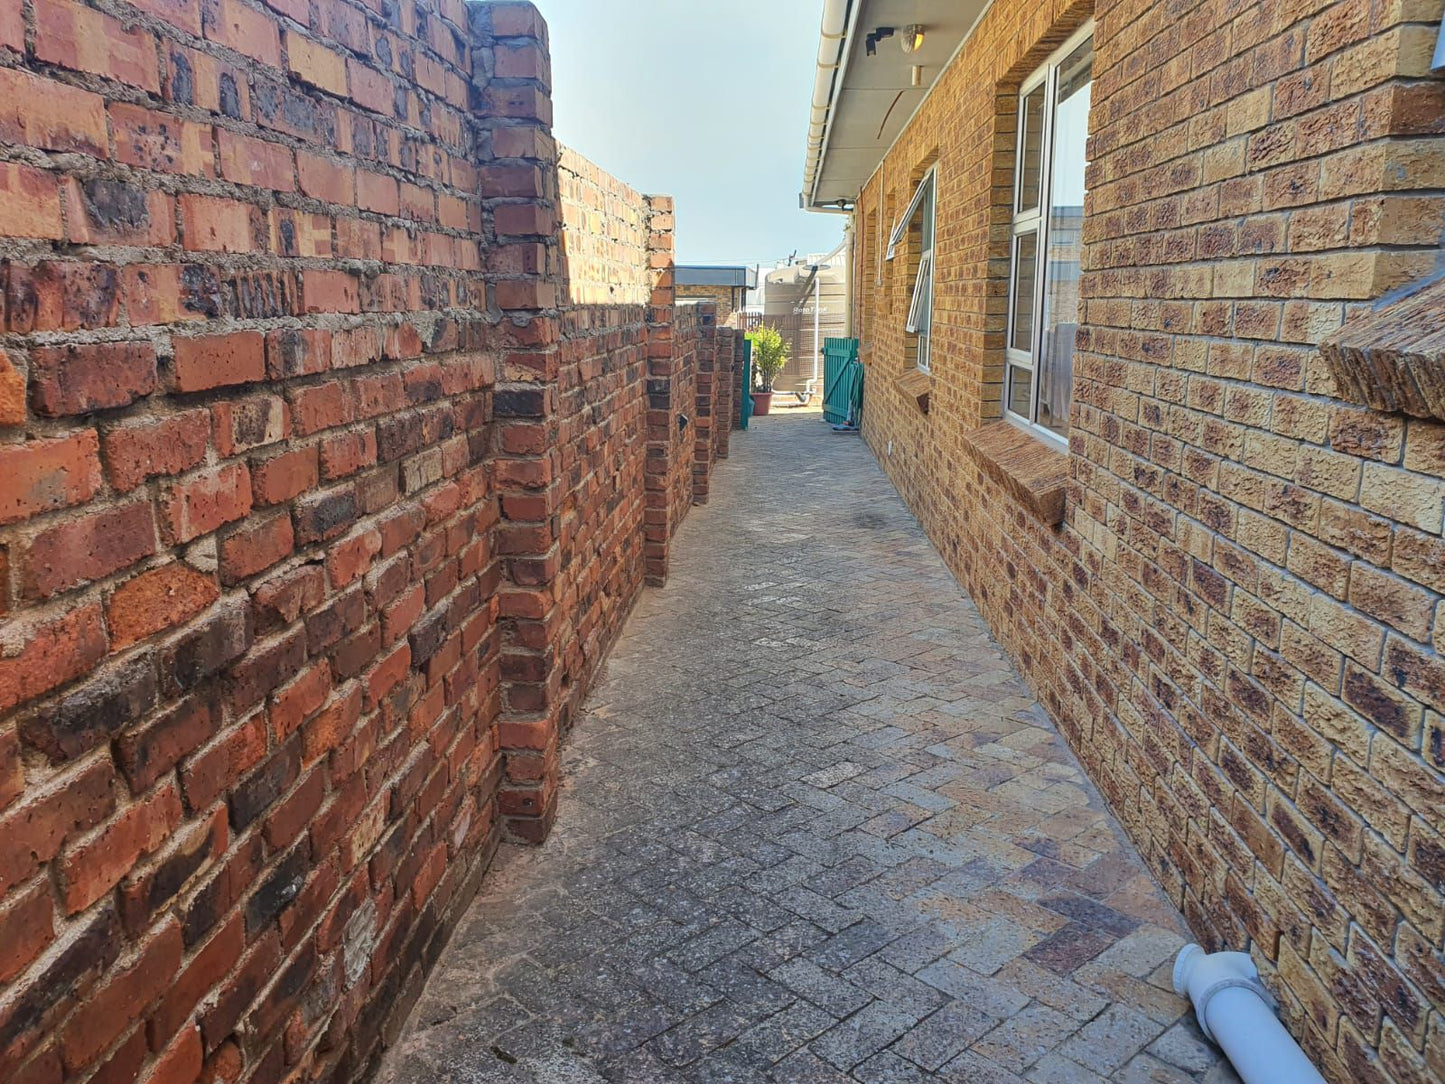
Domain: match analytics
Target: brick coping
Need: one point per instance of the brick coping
(917, 386)
(1392, 357)
(1034, 473)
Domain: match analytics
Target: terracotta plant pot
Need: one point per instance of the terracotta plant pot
(762, 403)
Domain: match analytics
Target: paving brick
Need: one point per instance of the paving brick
(684, 820)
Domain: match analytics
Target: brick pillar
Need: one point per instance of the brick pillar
(705, 395)
(739, 349)
(520, 197)
(724, 397)
(661, 373)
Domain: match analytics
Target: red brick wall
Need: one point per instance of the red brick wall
(1238, 624)
(724, 391)
(602, 432)
(319, 501)
(674, 334)
(704, 380)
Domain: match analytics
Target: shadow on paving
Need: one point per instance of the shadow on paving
(814, 828)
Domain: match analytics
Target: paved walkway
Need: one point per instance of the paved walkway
(814, 829)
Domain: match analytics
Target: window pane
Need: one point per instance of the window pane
(920, 313)
(925, 213)
(1021, 307)
(1066, 219)
(1020, 389)
(1030, 150)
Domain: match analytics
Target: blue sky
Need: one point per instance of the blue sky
(704, 100)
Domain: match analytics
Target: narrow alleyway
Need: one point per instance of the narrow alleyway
(814, 828)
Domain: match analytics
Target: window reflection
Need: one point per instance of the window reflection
(1049, 173)
(1065, 239)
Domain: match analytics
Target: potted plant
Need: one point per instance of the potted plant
(770, 354)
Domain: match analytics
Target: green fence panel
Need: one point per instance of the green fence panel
(747, 403)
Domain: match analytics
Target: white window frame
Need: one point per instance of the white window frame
(920, 322)
(881, 222)
(900, 228)
(1035, 221)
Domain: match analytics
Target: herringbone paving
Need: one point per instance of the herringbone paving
(814, 828)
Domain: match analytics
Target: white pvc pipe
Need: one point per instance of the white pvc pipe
(817, 326)
(1236, 1011)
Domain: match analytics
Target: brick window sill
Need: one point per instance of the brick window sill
(1033, 472)
(1392, 358)
(917, 387)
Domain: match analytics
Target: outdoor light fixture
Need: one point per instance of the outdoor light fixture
(912, 38)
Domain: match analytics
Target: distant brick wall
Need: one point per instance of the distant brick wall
(1238, 624)
(321, 496)
(673, 342)
(724, 390)
(724, 297)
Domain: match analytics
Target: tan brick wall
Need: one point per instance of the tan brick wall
(724, 297)
(1237, 626)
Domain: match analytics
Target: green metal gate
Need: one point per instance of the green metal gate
(746, 406)
(842, 382)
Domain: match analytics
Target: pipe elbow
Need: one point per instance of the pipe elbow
(1200, 975)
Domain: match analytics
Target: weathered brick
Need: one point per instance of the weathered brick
(51, 115)
(213, 770)
(244, 424)
(27, 926)
(203, 651)
(80, 379)
(205, 971)
(43, 475)
(112, 698)
(151, 140)
(56, 651)
(325, 515)
(259, 543)
(12, 393)
(89, 548)
(179, 1062)
(67, 805)
(214, 361)
(245, 29)
(124, 997)
(217, 224)
(255, 162)
(30, 202)
(66, 295)
(205, 501)
(69, 975)
(285, 475)
(313, 63)
(12, 29)
(92, 867)
(329, 291)
(259, 791)
(149, 750)
(160, 599)
(87, 40)
(173, 444)
(302, 674)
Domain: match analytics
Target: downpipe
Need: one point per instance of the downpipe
(1236, 1011)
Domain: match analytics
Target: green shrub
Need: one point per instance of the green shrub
(770, 354)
